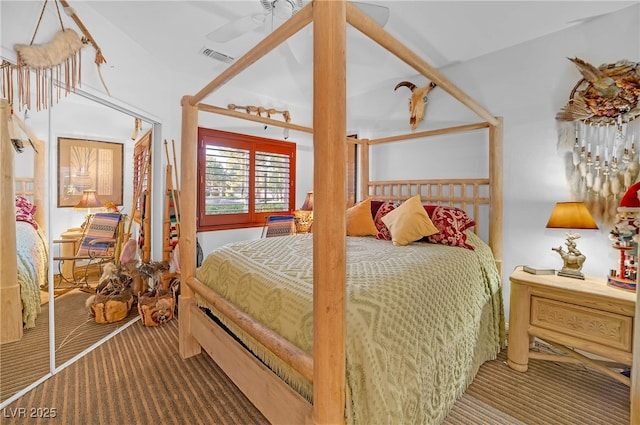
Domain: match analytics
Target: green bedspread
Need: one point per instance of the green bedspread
(31, 248)
(421, 318)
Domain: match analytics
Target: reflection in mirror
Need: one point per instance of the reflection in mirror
(73, 331)
(94, 151)
(25, 327)
(38, 349)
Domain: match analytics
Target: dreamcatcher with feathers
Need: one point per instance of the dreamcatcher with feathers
(598, 135)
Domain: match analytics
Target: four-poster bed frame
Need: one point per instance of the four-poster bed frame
(278, 402)
(10, 302)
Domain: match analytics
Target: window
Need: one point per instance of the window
(243, 179)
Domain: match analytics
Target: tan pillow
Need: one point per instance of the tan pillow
(359, 220)
(409, 222)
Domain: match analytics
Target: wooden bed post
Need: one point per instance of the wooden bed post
(10, 303)
(495, 187)
(39, 172)
(187, 246)
(365, 177)
(39, 189)
(329, 235)
(635, 366)
(330, 18)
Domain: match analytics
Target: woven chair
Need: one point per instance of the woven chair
(99, 245)
(279, 225)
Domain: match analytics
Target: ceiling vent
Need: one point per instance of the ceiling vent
(214, 54)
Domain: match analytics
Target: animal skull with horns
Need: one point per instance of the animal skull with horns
(417, 102)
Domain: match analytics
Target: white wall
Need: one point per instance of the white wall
(527, 85)
(135, 80)
(73, 116)
(87, 120)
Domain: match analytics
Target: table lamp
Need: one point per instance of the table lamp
(571, 215)
(88, 200)
(304, 216)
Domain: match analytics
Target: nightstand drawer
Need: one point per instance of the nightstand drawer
(609, 329)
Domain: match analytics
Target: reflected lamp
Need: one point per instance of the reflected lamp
(304, 216)
(89, 200)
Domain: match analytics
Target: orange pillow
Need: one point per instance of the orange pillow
(409, 222)
(359, 220)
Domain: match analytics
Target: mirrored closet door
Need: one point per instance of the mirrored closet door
(87, 144)
(81, 129)
(92, 190)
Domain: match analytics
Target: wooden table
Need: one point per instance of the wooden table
(585, 315)
(68, 248)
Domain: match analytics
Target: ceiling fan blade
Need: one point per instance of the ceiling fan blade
(234, 29)
(378, 13)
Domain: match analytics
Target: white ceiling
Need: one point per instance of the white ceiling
(442, 32)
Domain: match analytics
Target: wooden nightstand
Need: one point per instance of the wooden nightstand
(567, 313)
(69, 244)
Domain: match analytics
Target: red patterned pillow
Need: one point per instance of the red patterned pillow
(24, 204)
(375, 205)
(25, 211)
(383, 231)
(452, 222)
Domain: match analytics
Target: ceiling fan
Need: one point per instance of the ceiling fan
(282, 10)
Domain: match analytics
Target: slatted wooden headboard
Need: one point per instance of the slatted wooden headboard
(470, 195)
(28, 187)
(25, 186)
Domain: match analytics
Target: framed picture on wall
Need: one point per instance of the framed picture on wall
(89, 164)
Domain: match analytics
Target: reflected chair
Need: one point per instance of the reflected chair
(279, 225)
(99, 244)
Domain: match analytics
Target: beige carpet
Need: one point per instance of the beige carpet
(27, 360)
(548, 393)
(138, 377)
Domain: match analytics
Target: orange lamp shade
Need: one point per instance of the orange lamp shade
(308, 202)
(571, 215)
(88, 200)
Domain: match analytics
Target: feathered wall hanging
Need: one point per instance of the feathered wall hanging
(55, 65)
(57, 60)
(598, 135)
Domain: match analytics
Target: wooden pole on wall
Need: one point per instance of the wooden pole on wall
(10, 303)
(329, 187)
(146, 222)
(166, 222)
